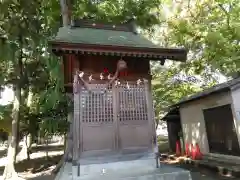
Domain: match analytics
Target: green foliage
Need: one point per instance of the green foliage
(167, 90)
(5, 118)
(210, 30)
(25, 28)
(145, 11)
(5, 112)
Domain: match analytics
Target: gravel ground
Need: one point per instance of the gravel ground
(205, 174)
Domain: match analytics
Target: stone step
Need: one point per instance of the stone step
(115, 158)
(113, 167)
(139, 173)
(143, 168)
(143, 175)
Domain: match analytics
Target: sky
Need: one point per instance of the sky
(6, 96)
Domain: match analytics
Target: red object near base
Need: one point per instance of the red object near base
(194, 153)
(178, 148)
(187, 150)
(198, 152)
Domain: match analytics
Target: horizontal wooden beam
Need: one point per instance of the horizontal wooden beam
(159, 54)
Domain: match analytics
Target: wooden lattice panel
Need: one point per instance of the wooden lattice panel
(132, 103)
(96, 106)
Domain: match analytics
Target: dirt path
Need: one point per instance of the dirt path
(198, 173)
(39, 167)
(43, 177)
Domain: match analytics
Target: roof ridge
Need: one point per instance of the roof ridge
(210, 90)
(128, 26)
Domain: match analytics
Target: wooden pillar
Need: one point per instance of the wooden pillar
(76, 128)
(152, 131)
(115, 118)
(69, 138)
(76, 110)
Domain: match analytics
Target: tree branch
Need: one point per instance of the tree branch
(227, 13)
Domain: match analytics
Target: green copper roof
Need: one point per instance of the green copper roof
(102, 37)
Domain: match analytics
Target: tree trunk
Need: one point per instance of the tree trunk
(66, 12)
(25, 151)
(46, 143)
(39, 138)
(65, 142)
(17, 149)
(29, 145)
(67, 156)
(28, 138)
(9, 171)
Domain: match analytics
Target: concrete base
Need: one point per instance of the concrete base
(131, 167)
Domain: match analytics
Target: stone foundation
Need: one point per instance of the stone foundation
(131, 167)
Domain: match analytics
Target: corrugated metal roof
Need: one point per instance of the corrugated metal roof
(218, 88)
(172, 114)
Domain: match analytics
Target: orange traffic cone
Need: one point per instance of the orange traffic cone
(178, 149)
(198, 152)
(187, 151)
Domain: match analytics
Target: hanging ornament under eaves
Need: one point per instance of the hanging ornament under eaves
(121, 64)
(101, 76)
(139, 81)
(109, 77)
(128, 87)
(90, 78)
(117, 82)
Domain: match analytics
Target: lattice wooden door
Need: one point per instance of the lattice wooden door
(97, 122)
(132, 117)
(115, 120)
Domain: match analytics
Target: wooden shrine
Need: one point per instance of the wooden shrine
(107, 68)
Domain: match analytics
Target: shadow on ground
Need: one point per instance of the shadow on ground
(37, 168)
(35, 149)
(35, 165)
(3, 153)
(43, 177)
(47, 148)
